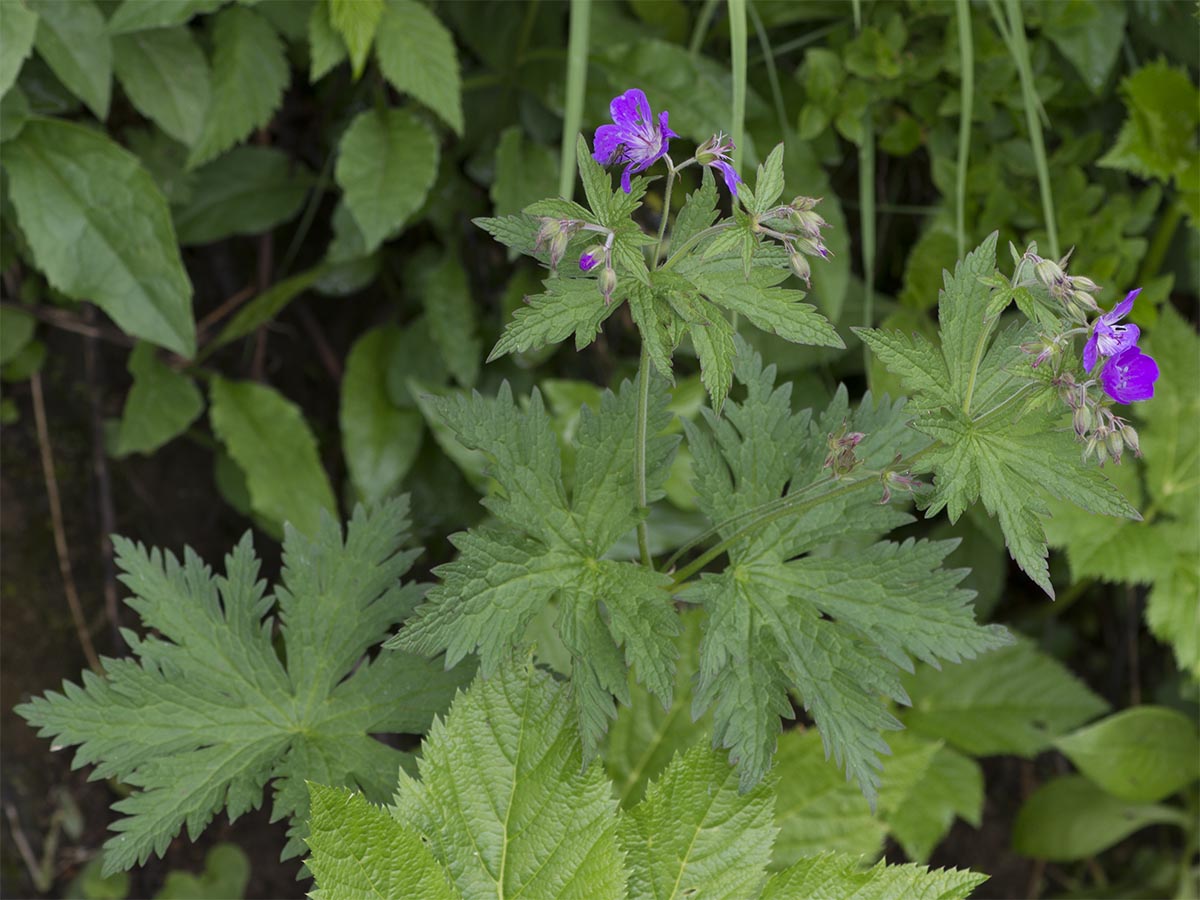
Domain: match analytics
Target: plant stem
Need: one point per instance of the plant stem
(866, 198)
(772, 74)
(691, 242)
(1020, 50)
(737, 49)
(666, 210)
(703, 21)
(639, 451)
(966, 54)
(577, 62)
(1160, 243)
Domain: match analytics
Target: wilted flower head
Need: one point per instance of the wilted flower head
(636, 138)
(715, 153)
(554, 235)
(1108, 338)
(1129, 376)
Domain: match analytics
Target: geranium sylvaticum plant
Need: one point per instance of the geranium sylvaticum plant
(805, 601)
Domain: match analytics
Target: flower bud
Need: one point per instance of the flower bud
(800, 265)
(1085, 300)
(1083, 283)
(803, 204)
(808, 223)
(1083, 420)
(1048, 272)
(1114, 445)
(608, 284)
(1130, 437)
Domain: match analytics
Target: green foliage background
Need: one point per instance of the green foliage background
(270, 206)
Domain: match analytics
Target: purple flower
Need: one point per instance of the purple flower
(588, 261)
(1108, 338)
(1129, 376)
(636, 138)
(715, 153)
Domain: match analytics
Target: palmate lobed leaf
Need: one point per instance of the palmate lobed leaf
(548, 547)
(836, 630)
(987, 447)
(205, 712)
(505, 807)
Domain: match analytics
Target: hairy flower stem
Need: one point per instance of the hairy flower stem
(666, 210)
(681, 251)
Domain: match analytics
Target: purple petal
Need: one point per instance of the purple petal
(1089, 353)
(608, 142)
(732, 179)
(587, 262)
(662, 125)
(1129, 376)
(630, 110)
(1121, 310)
(625, 185)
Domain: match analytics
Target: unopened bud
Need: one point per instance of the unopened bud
(1114, 445)
(1089, 448)
(1130, 437)
(1083, 421)
(1083, 283)
(800, 266)
(808, 223)
(803, 204)
(1085, 300)
(1048, 272)
(608, 284)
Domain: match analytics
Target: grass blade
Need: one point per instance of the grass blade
(577, 63)
(737, 51)
(966, 55)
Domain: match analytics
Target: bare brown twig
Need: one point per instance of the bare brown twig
(56, 519)
(60, 318)
(227, 306)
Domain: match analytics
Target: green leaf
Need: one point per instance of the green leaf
(950, 786)
(100, 230)
(1070, 818)
(768, 182)
(504, 801)
(1141, 755)
(450, 312)
(326, 49)
(416, 54)
(267, 305)
(379, 439)
(250, 74)
(16, 331)
(18, 26)
(356, 21)
(837, 875)
(569, 306)
(166, 77)
(1089, 35)
(834, 629)
(269, 440)
(387, 162)
(547, 548)
(713, 340)
(695, 832)
(1016, 700)
(360, 851)
(774, 310)
(1158, 137)
(699, 211)
(74, 42)
(247, 191)
(205, 712)
(161, 404)
(138, 15)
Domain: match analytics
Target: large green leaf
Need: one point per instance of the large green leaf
(138, 15)
(386, 164)
(416, 54)
(161, 404)
(380, 440)
(247, 191)
(218, 699)
(269, 440)
(18, 26)
(166, 76)
(72, 39)
(250, 74)
(100, 229)
(356, 21)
